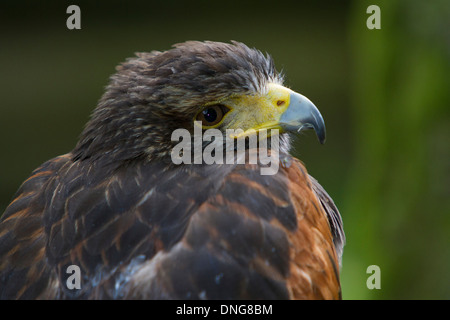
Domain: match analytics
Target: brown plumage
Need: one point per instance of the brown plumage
(141, 227)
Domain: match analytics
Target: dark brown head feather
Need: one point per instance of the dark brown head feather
(155, 93)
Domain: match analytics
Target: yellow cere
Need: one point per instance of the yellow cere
(252, 113)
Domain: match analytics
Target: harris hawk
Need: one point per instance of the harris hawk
(139, 226)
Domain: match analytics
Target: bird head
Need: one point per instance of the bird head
(221, 85)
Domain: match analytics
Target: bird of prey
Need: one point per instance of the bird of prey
(118, 213)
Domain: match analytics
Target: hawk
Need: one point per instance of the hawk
(138, 226)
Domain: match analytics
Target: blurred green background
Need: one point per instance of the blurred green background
(384, 95)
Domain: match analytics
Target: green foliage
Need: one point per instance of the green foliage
(396, 206)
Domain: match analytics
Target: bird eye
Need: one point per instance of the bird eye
(212, 115)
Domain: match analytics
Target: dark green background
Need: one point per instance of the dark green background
(384, 95)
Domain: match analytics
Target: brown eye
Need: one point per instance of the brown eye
(212, 115)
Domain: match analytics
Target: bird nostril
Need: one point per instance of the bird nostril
(280, 103)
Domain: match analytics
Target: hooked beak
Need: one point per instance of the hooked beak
(279, 108)
(302, 114)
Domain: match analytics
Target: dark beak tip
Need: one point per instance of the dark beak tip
(321, 136)
(319, 129)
